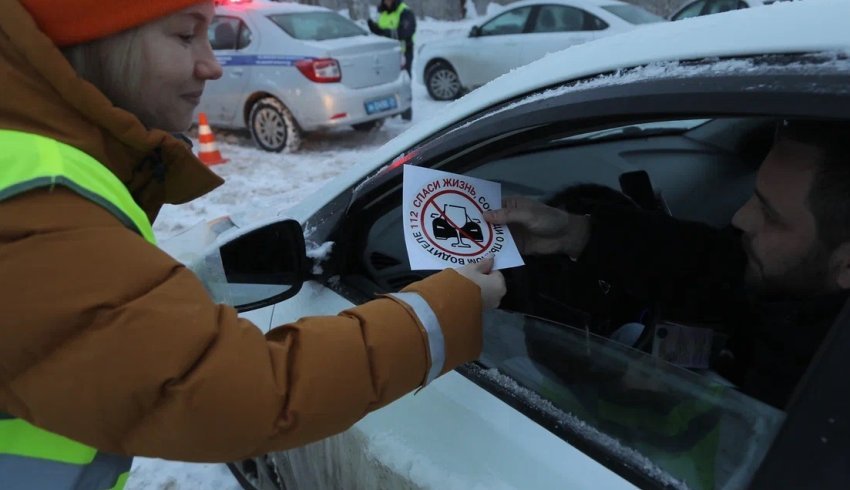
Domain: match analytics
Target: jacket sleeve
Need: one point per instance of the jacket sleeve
(107, 340)
(407, 25)
(686, 265)
(373, 27)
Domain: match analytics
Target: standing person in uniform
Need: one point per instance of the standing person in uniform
(109, 348)
(397, 21)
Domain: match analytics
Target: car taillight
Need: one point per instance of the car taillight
(323, 70)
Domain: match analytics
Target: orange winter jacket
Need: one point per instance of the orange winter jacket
(107, 340)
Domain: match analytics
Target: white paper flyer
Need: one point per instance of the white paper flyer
(444, 221)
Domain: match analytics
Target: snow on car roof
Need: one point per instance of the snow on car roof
(270, 7)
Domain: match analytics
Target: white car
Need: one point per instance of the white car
(290, 68)
(550, 405)
(697, 8)
(517, 36)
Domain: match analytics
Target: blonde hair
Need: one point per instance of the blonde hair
(112, 64)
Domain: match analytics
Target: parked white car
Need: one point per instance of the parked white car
(550, 405)
(708, 7)
(290, 68)
(517, 36)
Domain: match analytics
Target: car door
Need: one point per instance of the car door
(497, 48)
(693, 9)
(706, 7)
(518, 408)
(720, 6)
(232, 43)
(556, 27)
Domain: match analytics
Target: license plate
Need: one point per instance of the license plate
(380, 105)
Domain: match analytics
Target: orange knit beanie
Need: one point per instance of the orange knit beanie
(69, 22)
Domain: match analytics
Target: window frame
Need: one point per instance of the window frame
(789, 94)
(678, 15)
(705, 10)
(525, 27)
(240, 27)
(587, 17)
(816, 433)
(243, 27)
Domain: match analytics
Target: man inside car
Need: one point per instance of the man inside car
(777, 277)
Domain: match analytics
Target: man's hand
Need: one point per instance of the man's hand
(541, 229)
(491, 283)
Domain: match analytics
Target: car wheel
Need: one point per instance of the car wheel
(442, 82)
(368, 125)
(256, 474)
(273, 127)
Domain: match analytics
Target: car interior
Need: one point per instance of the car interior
(575, 341)
(687, 164)
(224, 35)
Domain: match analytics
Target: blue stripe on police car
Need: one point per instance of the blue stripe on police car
(260, 60)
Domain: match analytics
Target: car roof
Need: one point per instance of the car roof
(266, 7)
(583, 4)
(573, 3)
(781, 28)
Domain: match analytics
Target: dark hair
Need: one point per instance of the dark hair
(829, 196)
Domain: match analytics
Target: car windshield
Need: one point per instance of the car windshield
(317, 26)
(632, 14)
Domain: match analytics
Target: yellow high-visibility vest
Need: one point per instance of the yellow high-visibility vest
(30, 457)
(391, 21)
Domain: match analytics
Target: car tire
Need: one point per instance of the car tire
(256, 474)
(273, 127)
(367, 126)
(442, 82)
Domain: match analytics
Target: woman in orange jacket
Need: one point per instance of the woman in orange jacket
(105, 339)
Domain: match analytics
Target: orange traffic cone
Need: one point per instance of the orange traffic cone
(209, 153)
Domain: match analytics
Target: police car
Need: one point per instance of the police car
(290, 68)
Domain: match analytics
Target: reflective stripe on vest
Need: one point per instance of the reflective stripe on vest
(30, 161)
(30, 457)
(391, 21)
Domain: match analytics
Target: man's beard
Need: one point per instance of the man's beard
(807, 278)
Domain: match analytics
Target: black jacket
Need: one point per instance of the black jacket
(693, 272)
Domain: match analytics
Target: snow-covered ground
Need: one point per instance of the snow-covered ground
(256, 178)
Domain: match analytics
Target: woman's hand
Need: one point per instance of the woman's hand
(491, 283)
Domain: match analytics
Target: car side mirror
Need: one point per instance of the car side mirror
(247, 266)
(475, 31)
(267, 265)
